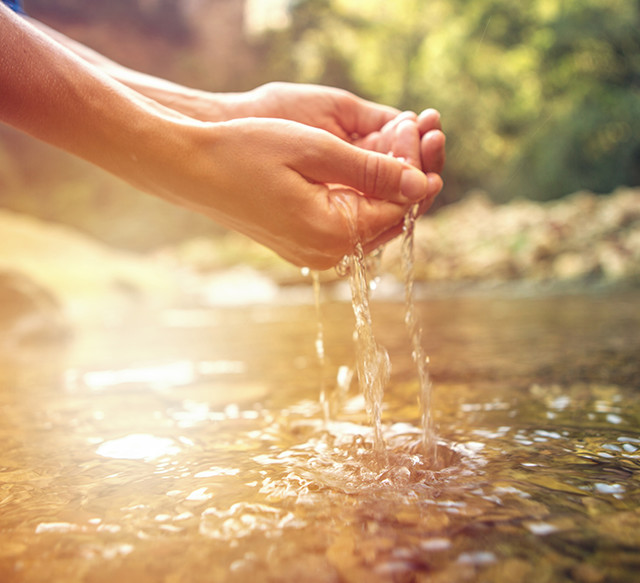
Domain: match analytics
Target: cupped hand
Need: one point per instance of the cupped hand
(337, 111)
(293, 188)
(418, 139)
(355, 120)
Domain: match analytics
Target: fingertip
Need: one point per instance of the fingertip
(428, 120)
(407, 115)
(404, 116)
(432, 150)
(407, 124)
(414, 185)
(407, 143)
(433, 141)
(434, 185)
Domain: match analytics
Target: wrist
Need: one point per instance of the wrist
(194, 103)
(155, 148)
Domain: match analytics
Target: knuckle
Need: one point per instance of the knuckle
(371, 179)
(380, 178)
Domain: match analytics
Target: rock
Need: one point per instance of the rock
(29, 312)
(580, 238)
(620, 528)
(90, 281)
(570, 265)
(586, 573)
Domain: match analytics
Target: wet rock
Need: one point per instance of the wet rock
(621, 528)
(29, 312)
(513, 570)
(586, 573)
(91, 281)
(581, 238)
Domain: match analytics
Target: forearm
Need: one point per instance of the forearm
(56, 97)
(321, 107)
(191, 102)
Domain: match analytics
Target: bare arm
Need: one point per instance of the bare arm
(51, 94)
(277, 181)
(192, 102)
(363, 123)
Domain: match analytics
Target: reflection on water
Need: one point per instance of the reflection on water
(200, 452)
(138, 447)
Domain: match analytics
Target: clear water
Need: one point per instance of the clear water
(420, 358)
(194, 448)
(372, 360)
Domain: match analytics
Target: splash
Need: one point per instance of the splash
(340, 458)
(373, 365)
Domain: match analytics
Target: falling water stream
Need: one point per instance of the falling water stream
(418, 355)
(373, 363)
(319, 344)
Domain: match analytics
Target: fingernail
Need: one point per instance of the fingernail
(407, 116)
(434, 184)
(413, 184)
(430, 112)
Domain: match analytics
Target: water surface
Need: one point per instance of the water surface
(193, 447)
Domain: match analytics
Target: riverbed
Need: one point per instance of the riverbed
(192, 446)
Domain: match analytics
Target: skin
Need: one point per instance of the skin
(302, 169)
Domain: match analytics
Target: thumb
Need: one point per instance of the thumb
(373, 174)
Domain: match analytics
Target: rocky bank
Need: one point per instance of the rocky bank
(581, 238)
(53, 277)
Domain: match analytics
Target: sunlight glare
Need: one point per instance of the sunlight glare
(138, 446)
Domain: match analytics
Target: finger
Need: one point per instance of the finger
(375, 175)
(370, 222)
(384, 238)
(360, 117)
(406, 143)
(367, 219)
(432, 151)
(383, 141)
(429, 120)
(396, 229)
(391, 126)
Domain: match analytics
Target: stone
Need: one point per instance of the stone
(28, 311)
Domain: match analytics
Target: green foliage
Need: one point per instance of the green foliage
(591, 81)
(538, 98)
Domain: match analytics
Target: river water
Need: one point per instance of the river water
(193, 446)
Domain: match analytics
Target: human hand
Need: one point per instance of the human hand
(292, 187)
(337, 111)
(418, 139)
(355, 120)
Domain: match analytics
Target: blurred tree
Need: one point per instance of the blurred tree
(538, 99)
(166, 17)
(590, 69)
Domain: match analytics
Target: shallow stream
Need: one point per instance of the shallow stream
(193, 447)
